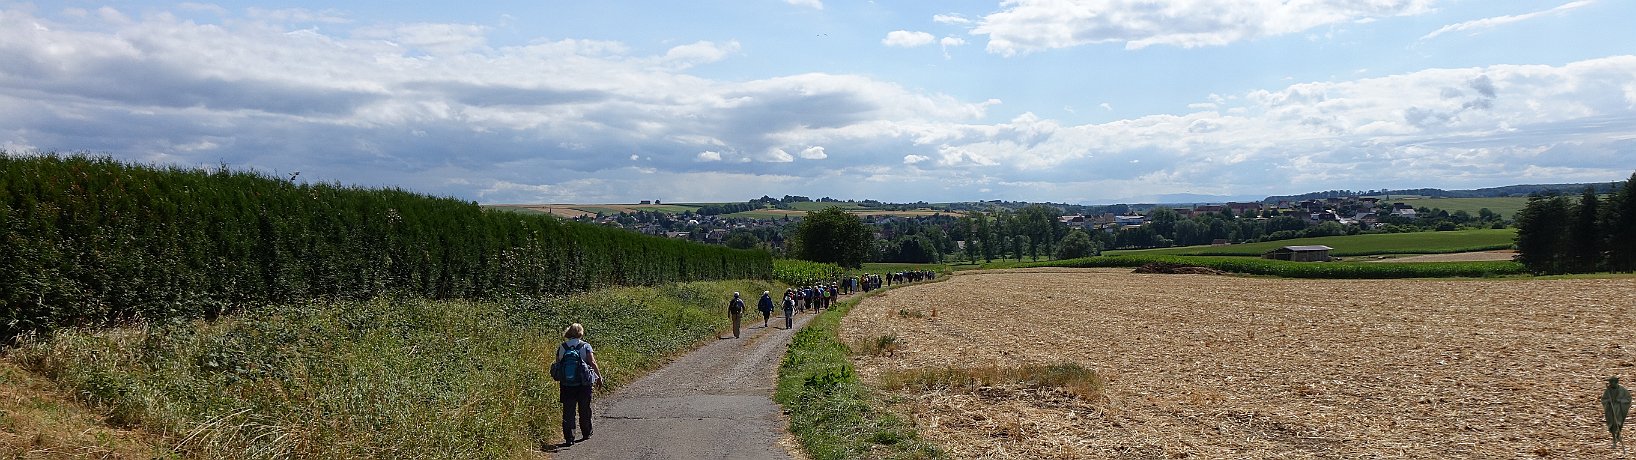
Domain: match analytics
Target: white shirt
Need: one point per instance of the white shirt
(588, 350)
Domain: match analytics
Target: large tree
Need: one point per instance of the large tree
(1541, 227)
(1584, 243)
(1621, 228)
(833, 236)
(1077, 244)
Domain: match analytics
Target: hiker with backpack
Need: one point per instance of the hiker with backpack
(765, 305)
(735, 309)
(576, 372)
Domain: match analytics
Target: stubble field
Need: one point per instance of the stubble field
(1201, 366)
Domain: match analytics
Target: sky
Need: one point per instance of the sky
(1074, 101)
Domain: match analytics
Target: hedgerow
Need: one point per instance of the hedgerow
(89, 240)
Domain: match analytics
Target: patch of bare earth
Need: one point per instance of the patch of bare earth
(1481, 256)
(1204, 366)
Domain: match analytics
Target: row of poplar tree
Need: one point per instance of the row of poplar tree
(1589, 233)
(86, 240)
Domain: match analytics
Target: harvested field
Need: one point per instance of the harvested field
(1206, 366)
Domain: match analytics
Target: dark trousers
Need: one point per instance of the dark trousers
(787, 320)
(736, 318)
(575, 399)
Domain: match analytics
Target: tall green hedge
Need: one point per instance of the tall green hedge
(90, 240)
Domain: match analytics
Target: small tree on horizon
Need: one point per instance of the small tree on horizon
(1077, 244)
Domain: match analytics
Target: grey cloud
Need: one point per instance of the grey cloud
(504, 95)
(1483, 85)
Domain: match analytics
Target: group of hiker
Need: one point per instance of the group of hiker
(575, 368)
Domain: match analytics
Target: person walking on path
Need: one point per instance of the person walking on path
(789, 308)
(735, 309)
(579, 374)
(765, 305)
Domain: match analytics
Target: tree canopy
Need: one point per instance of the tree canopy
(833, 236)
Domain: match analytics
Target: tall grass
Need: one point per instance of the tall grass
(1289, 269)
(384, 378)
(91, 241)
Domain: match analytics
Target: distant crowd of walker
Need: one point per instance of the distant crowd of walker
(819, 296)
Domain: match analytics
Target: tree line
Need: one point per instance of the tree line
(89, 240)
(1558, 234)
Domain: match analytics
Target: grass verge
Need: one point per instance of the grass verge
(832, 413)
(400, 378)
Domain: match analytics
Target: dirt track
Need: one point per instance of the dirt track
(1232, 367)
(715, 402)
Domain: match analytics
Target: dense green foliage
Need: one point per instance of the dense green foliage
(832, 413)
(1362, 244)
(91, 241)
(1077, 244)
(1288, 269)
(803, 273)
(384, 378)
(1558, 234)
(835, 236)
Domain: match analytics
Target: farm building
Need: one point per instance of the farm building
(1299, 253)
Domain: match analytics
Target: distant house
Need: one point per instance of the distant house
(1219, 242)
(647, 202)
(1299, 253)
(1404, 212)
(1129, 220)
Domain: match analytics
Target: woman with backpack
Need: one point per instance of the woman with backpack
(577, 372)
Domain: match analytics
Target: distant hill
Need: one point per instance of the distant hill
(1491, 192)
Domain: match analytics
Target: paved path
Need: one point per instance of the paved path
(713, 403)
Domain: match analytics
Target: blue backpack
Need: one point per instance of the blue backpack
(570, 368)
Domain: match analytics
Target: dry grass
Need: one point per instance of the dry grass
(1481, 256)
(1229, 367)
(39, 421)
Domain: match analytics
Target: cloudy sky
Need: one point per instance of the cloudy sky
(1083, 101)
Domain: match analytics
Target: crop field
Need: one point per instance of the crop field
(1360, 245)
(1201, 366)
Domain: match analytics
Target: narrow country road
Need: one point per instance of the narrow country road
(713, 403)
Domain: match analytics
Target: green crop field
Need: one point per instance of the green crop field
(1507, 207)
(1361, 245)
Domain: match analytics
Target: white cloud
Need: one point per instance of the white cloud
(1025, 26)
(1497, 21)
(1106, 106)
(777, 156)
(954, 19)
(709, 156)
(634, 157)
(914, 159)
(814, 4)
(703, 52)
(907, 39)
(814, 153)
(952, 41)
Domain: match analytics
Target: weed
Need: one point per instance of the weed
(1072, 378)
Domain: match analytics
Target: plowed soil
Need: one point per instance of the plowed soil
(1202, 366)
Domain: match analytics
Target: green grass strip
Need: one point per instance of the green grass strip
(832, 413)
